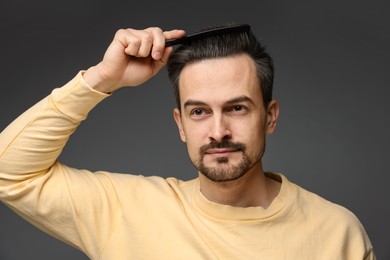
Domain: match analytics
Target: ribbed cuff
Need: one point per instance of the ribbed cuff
(76, 99)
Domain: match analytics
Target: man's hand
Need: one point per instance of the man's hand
(133, 57)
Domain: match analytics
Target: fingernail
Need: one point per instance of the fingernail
(156, 55)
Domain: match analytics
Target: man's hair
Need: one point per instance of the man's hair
(222, 46)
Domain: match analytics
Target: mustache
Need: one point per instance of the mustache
(220, 145)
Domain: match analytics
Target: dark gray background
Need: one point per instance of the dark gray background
(332, 80)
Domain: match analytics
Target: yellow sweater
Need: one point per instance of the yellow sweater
(122, 216)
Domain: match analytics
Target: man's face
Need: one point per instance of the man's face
(223, 119)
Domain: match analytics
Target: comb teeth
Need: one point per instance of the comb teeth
(207, 33)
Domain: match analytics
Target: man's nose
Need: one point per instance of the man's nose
(219, 129)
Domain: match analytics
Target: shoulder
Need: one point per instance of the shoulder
(136, 183)
(320, 208)
(331, 221)
(146, 187)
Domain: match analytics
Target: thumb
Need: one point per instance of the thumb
(164, 58)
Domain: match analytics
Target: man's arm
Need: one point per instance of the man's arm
(52, 196)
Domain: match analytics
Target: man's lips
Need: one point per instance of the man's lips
(221, 151)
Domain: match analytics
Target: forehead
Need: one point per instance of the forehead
(217, 80)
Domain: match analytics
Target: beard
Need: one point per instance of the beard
(224, 171)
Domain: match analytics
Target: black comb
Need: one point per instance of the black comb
(207, 33)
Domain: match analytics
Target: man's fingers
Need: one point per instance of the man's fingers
(129, 40)
(158, 49)
(146, 44)
(151, 41)
(158, 41)
(137, 43)
(166, 51)
(174, 34)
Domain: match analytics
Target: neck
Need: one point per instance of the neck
(251, 190)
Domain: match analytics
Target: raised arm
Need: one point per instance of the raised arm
(65, 202)
(32, 143)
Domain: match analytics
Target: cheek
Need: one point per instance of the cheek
(196, 132)
(251, 127)
(252, 134)
(195, 138)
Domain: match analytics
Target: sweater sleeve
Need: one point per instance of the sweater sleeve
(64, 202)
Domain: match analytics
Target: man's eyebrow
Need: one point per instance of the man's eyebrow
(191, 102)
(239, 100)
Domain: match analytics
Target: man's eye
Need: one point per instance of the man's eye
(238, 108)
(197, 112)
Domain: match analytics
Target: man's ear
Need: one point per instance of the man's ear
(272, 116)
(179, 123)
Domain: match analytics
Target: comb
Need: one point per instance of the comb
(207, 33)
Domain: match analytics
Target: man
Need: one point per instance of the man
(233, 210)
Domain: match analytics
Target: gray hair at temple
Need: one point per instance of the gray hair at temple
(222, 46)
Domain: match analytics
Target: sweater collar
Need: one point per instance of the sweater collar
(227, 212)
